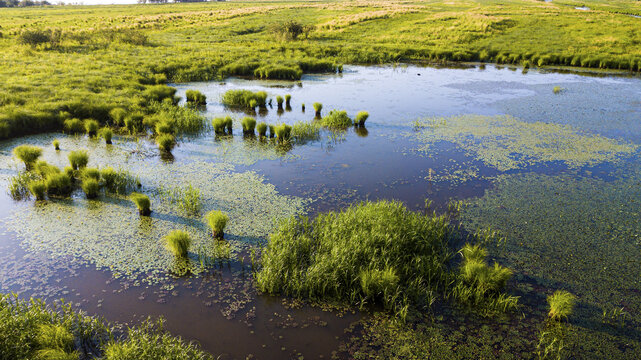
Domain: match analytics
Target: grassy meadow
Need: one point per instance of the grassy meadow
(62, 63)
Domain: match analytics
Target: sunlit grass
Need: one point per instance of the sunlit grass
(217, 222)
(78, 159)
(27, 154)
(142, 203)
(178, 243)
(561, 305)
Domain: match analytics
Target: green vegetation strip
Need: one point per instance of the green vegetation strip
(30, 329)
(507, 143)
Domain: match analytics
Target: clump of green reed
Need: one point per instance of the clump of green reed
(55, 343)
(78, 159)
(557, 89)
(360, 118)
(219, 124)
(106, 133)
(142, 203)
(56, 144)
(288, 100)
(336, 120)
(243, 98)
(91, 127)
(272, 131)
(561, 305)
(38, 189)
(317, 108)
(303, 132)
(283, 133)
(373, 252)
(118, 115)
(217, 221)
(166, 142)
(163, 127)
(74, 126)
(279, 101)
(262, 129)
(229, 125)
(91, 187)
(90, 173)
(302, 107)
(119, 181)
(196, 97)
(480, 285)
(178, 243)
(249, 124)
(59, 184)
(27, 154)
(43, 168)
(19, 184)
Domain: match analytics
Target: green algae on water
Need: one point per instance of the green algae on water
(507, 143)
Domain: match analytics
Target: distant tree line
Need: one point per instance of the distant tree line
(22, 3)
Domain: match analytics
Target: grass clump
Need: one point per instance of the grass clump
(166, 142)
(187, 199)
(59, 185)
(90, 173)
(91, 187)
(377, 252)
(142, 203)
(283, 132)
(118, 116)
(279, 101)
(243, 98)
(106, 133)
(196, 97)
(38, 189)
(56, 144)
(78, 159)
(360, 118)
(262, 129)
(249, 124)
(561, 305)
(217, 221)
(480, 285)
(178, 242)
(317, 108)
(336, 120)
(118, 181)
(557, 89)
(303, 132)
(74, 126)
(219, 124)
(277, 71)
(288, 100)
(91, 127)
(27, 154)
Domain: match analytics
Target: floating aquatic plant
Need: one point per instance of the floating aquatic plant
(78, 159)
(561, 305)
(217, 221)
(178, 243)
(27, 154)
(142, 203)
(360, 118)
(507, 143)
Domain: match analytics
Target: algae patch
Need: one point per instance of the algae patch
(507, 143)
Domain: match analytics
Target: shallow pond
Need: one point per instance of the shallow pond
(555, 171)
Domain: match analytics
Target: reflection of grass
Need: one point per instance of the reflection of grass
(507, 143)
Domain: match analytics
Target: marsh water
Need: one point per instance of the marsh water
(557, 172)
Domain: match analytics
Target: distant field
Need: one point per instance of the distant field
(96, 58)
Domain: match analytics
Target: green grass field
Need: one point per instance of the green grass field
(94, 58)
